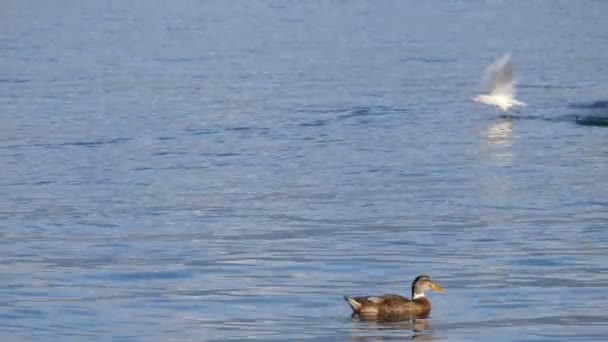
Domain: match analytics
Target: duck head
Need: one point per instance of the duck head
(424, 283)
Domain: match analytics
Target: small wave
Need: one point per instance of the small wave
(591, 105)
(315, 123)
(535, 321)
(428, 60)
(544, 86)
(362, 114)
(13, 80)
(169, 153)
(93, 143)
(217, 130)
(96, 142)
(592, 121)
(239, 129)
(521, 117)
(362, 111)
(147, 275)
(585, 120)
(201, 131)
(220, 155)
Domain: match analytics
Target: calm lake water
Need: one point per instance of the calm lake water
(217, 170)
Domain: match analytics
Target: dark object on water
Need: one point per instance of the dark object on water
(392, 306)
(592, 105)
(597, 113)
(592, 120)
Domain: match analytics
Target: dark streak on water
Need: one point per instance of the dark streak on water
(210, 171)
(591, 105)
(583, 120)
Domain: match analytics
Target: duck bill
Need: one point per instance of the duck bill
(437, 288)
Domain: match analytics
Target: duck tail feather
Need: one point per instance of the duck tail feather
(356, 306)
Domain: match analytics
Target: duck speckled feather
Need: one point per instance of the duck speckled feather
(391, 306)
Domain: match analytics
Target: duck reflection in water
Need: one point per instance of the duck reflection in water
(368, 329)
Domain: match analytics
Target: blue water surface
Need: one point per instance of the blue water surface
(219, 170)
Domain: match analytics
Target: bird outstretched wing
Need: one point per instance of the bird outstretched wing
(498, 78)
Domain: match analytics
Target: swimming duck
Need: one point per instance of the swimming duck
(390, 306)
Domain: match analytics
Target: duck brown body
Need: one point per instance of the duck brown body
(392, 306)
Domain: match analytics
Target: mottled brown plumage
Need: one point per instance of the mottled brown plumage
(392, 306)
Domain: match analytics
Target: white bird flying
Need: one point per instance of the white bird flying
(500, 85)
